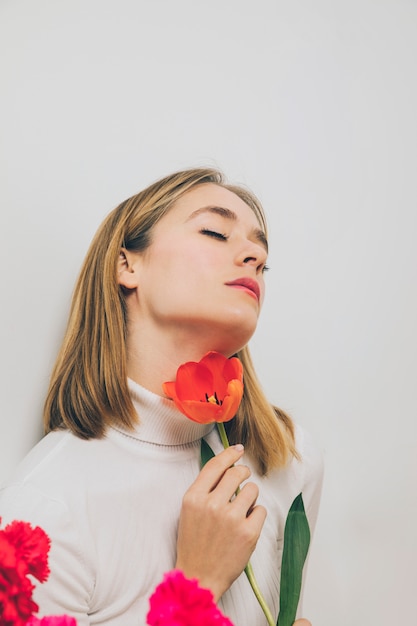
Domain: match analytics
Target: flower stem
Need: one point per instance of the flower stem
(248, 569)
(223, 435)
(253, 583)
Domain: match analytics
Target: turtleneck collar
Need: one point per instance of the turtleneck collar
(160, 422)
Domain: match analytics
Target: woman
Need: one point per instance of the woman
(173, 272)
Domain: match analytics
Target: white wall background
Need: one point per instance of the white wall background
(311, 104)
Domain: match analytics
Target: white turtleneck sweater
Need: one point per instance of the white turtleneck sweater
(111, 508)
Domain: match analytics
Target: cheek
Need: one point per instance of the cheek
(262, 286)
(179, 263)
(194, 261)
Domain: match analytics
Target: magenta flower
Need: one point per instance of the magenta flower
(54, 620)
(24, 553)
(178, 601)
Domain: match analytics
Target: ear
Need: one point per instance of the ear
(127, 270)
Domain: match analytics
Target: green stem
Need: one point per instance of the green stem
(253, 583)
(248, 569)
(223, 435)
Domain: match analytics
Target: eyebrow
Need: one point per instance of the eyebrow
(228, 214)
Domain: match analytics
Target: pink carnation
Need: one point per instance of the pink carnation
(31, 546)
(57, 620)
(23, 552)
(178, 601)
(16, 604)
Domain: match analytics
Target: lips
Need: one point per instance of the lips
(247, 284)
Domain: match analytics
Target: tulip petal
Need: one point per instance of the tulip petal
(201, 412)
(215, 362)
(193, 381)
(233, 369)
(169, 389)
(208, 391)
(232, 400)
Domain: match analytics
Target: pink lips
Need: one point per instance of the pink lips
(247, 284)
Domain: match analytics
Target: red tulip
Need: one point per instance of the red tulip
(208, 391)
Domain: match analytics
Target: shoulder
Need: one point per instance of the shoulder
(311, 460)
(49, 475)
(30, 492)
(310, 467)
(47, 457)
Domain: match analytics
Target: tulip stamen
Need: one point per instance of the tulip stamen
(213, 399)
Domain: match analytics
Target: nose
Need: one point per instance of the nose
(253, 254)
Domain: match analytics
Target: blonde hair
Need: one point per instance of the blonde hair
(88, 389)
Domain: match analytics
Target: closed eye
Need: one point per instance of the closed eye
(213, 233)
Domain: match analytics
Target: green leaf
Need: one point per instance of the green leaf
(206, 452)
(296, 544)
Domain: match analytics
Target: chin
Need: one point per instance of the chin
(242, 325)
(226, 333)
(234, 339)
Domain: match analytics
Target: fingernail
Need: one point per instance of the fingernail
(238, 447)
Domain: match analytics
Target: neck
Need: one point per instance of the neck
(153, 358)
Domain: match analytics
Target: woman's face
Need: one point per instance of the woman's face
(202, 275)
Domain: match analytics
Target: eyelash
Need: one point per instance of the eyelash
(214, 234)
(223, 237)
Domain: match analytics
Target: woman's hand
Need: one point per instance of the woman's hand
(217, 534)
(302, 622)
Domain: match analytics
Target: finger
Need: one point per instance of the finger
(302, 622)
(230, 482)
(214, 469)
(256, 518)
(246, 499)
(249, 533)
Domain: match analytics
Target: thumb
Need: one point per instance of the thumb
(302, 622)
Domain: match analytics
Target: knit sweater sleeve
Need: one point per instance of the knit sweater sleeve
(69, 586)
(313, 469)
(312, 484)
